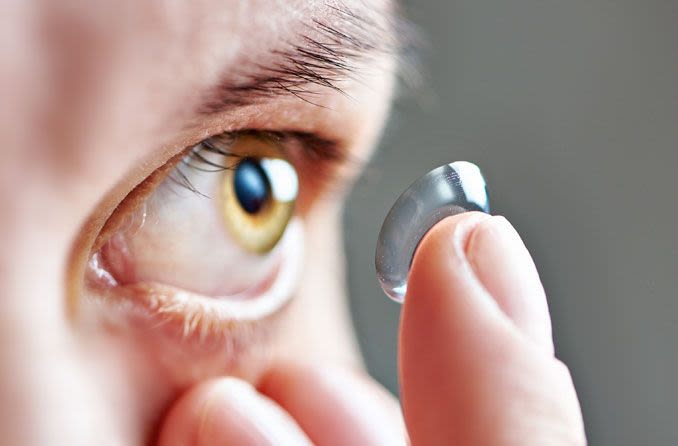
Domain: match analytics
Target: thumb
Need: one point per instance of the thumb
(476, 359)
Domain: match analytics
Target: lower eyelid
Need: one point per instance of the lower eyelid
(175, 335)
(189, 319)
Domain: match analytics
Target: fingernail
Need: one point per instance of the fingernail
(229, 411)
(504, 266)
(237, 414)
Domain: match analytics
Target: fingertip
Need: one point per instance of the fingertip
(446, 326)
(483, 259)
(443, 290)
(503, 265)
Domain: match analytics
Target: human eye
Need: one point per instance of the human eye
(208, 242)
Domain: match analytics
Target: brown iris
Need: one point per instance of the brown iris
(258, 194)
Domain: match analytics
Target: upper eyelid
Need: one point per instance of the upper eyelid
(196, 152)
(315, 149)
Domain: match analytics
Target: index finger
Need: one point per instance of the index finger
(475, 362)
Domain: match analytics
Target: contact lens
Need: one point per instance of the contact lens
(447, 190)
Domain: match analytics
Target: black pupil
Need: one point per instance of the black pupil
(251, 185)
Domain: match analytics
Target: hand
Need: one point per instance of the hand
(476, 365)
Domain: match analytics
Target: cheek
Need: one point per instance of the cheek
(130, 369)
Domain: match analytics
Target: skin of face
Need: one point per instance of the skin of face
(97, 96)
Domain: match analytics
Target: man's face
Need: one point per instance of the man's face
(125, 274)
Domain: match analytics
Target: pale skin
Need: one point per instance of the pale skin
(96, 98)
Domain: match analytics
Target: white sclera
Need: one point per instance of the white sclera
(448, 190)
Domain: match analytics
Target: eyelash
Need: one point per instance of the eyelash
(315, 150)
(179, 177)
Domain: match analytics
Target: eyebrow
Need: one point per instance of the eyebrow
(329, 53)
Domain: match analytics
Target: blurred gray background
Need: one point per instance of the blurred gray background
(571, 109)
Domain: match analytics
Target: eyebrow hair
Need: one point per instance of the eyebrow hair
(328, 54)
